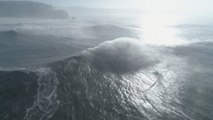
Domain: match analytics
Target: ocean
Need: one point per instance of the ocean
(106, 67)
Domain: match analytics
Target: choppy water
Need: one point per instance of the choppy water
(101, 69)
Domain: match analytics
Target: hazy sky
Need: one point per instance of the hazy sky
(198, 6)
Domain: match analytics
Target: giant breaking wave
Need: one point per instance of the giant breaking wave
(117, 80)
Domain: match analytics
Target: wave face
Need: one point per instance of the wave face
(103, 83)
(84, 86)
(78, 88)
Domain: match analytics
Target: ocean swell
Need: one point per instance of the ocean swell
(103, 83)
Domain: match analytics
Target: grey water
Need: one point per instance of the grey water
(105, 67)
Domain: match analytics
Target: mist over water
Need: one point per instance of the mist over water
(106, 66)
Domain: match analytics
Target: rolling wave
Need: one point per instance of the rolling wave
(106, 82)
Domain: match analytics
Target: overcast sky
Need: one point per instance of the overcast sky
(197, 6)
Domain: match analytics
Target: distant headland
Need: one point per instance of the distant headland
(29, 9)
